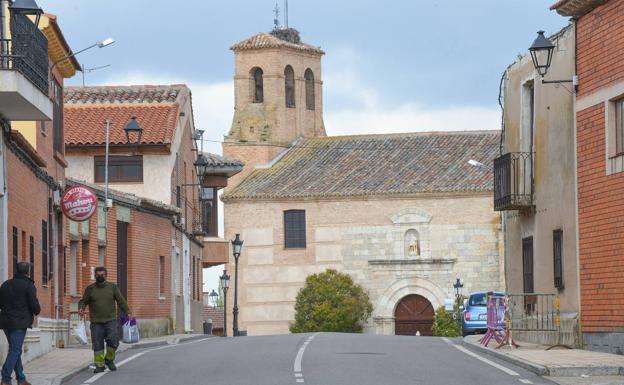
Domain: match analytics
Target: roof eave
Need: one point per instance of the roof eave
(575, 8)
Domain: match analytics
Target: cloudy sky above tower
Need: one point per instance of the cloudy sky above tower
(391, 66)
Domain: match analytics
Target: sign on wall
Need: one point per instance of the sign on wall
(79, 203)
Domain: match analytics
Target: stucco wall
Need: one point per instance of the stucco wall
(554, 173)
(366, 238)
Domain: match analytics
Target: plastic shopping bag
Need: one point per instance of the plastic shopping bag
(130, 331)
(80, 331)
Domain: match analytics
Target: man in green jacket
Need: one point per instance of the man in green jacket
(102, 298)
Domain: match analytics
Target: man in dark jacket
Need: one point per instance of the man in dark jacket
(102, 298)
(18, 306)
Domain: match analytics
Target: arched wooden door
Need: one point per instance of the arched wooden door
(413, 314)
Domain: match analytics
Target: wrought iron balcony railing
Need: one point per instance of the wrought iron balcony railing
(513, 181)
(26, 52)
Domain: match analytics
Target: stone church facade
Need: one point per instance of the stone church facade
(403, 214)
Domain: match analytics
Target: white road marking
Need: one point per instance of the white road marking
(524, 381)
(298, 375)
(100, 375)
(300, 380)
(299, 356)
(491, 363)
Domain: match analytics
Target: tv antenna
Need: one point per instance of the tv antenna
(276, 12)
(286, 14)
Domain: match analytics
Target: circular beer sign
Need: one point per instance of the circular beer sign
(78, 203)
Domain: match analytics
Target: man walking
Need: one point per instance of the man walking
(102, 298)
(18, 308)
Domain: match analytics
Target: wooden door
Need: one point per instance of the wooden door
(122, 258)
(413, 314)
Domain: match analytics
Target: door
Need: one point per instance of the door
(414, 314)
(122, 258)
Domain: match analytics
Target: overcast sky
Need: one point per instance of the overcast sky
(390, 66)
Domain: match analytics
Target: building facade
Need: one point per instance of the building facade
(600, 165)
(33, 68)
(159, 168)
(404, 215)
(535, 179)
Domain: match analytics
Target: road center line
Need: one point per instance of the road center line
(491, 363)
(525, 381)
(302, 349)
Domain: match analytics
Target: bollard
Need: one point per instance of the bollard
(208, 326)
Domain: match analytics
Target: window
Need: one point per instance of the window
(619, 127)
(44, 252)
(57, 117)
(32, 257)
(257, 85)
(120, 169)
(208, 201)
(478, 300)
(558, 258)
(294, 229)
(289, 79)
(161, 276)
(527, 264)
(309, 88)
(15, 247)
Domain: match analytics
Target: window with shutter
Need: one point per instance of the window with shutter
(294, 229)
(558, 258)
(527, 264)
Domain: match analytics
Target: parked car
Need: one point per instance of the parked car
(474, 316)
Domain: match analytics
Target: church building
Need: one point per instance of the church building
(404, 214)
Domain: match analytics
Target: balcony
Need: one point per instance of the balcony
(24, 73)
(513, 181)
(216, 251)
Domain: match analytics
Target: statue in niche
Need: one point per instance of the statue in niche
(412, 243)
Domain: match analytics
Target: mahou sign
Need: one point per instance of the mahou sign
(79, 203)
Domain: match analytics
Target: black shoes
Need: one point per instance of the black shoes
(111, 365)
(98, 369)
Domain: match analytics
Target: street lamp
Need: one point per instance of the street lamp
(541, 52)
(225, 285)
(237, 245)
(133, 132)
(213, 298)
(100, 44)
(458, 292)
(200, 166)
(26, 8)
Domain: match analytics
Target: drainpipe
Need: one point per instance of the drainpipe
(3, 30)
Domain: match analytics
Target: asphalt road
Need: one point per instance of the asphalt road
(313, 359)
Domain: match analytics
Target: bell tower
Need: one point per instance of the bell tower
(278, 97)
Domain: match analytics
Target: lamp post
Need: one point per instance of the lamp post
(542, 53)
(225, 284)
(100, 44)
(458, 292)
(237, 245)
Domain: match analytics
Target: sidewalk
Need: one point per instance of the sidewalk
(60, 365)
(557, 362)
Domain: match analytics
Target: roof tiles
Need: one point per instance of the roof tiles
(377, 165)
(267, 40)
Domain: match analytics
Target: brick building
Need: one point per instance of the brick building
(160, 168)
(599, 117)
(403, 214)
(31, 106)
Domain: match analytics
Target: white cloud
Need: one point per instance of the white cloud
(213, 103)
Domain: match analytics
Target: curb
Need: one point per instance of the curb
(66, 377)
(530, 366)
(570, 371)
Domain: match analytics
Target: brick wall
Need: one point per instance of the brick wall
(600, 36)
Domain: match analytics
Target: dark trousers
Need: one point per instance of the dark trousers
(101, 333)
(13, 361)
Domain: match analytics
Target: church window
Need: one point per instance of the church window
(309, 88)
(289, 77)
(412, 243)
(294, 229)
(257, 85)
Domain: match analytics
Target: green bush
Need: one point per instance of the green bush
(443, 324)
(331, 302)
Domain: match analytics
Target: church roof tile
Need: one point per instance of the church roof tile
(369, 165)
(267, 40)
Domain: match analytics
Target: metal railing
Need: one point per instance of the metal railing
(513, 181)
(26, 52)
(533, 312)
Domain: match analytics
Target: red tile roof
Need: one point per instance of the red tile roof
(84, 125)
(267, 40)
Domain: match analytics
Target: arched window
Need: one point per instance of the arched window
(289, 78)
(309, 87)
(257, 85)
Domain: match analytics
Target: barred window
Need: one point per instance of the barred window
(527, 264)
(619, 127)
(294, 229)
(558, 258)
